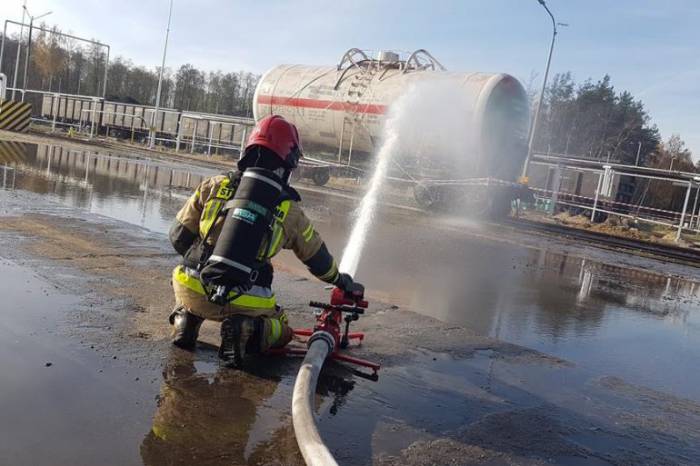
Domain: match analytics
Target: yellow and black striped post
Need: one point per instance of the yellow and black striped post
(15, 116)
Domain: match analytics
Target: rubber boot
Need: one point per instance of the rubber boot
(240, 335)
(185, 328)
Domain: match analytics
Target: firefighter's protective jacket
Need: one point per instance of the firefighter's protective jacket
(198, 225)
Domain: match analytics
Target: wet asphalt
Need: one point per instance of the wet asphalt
(626, 327)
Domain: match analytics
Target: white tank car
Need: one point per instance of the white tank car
(340, 109)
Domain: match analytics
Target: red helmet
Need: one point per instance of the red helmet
(278, 135)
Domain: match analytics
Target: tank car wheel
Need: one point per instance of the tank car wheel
(321, 176)
(499, 207)
(426, 196)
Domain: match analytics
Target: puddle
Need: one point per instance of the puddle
(639, 324)
(48, 379)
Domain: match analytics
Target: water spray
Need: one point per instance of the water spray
(366, 212)
(327, 338)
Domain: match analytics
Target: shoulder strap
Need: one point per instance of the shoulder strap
(234, 177)
(290, 194)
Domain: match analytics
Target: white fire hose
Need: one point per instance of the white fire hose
(312, 448)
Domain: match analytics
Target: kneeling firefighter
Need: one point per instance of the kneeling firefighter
(228, 231)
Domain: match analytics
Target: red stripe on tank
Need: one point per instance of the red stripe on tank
(321, 104)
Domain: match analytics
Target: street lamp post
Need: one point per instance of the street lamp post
(19, 50)
(160, 81)
(533, 127)
(29, 48)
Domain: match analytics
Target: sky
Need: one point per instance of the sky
(649, 47)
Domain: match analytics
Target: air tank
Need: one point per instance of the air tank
(340, 109)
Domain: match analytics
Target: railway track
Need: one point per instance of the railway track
(675, 253)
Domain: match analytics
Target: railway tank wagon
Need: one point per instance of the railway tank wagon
(340, 109)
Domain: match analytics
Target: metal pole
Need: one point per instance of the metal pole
(685, 207)
(243, 141)
(211, 135)
(55, 113)
(160, 78)
(26, 57)
(179, 136)
(29, 47)
(673, 159)
(556, 186)
(19, 49)
(2, 44)
(340, 146)
(597, 191)
(639, 149)
(104, 80)
(693, 213)
(352, 139)
(94, 117)
(194, 135)
(533, 128)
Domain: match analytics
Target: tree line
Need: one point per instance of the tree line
(61, 64)
(593, 120)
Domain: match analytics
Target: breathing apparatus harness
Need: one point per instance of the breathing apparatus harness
(234, 263)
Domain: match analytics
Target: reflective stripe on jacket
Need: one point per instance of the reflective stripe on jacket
(255, 298)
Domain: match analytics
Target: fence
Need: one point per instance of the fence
(601, 199)
(198, 132)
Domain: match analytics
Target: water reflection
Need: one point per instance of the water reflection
(9, 175)
(139, 191)
(577, 293)
(207, 415)
(211, 415)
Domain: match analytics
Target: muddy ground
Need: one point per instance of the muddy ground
(90, 377)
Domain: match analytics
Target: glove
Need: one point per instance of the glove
(343, 281)
(346, 283)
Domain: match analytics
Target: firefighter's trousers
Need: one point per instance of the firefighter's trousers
(258, 302)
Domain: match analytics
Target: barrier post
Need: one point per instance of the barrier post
(685, 207)
(55, 113)
(597, 192)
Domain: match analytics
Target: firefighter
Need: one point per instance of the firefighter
(251, 320)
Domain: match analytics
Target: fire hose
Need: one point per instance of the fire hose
(324, 342)
(310, 443)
